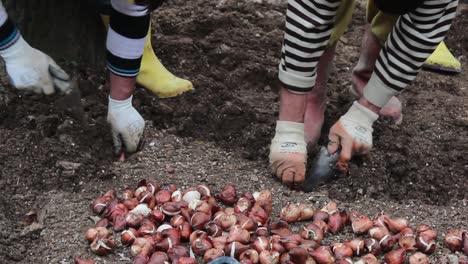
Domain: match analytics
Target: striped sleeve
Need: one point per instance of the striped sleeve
(412, 40)
(309, 24)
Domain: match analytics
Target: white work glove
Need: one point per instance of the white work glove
(32, 70)
(353, 132)
(288, 153)
(127, 126)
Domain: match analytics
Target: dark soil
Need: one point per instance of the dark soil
(220, 133)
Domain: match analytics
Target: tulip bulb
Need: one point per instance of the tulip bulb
(269, 257)
(372, 246)
(330, 208)
(264, 200)
(187, 260)
(234, 249)
(98, 232)
(185, 230)
(250, 255)
(219, 242)
(378, 232)
(356, 245)
(204, 190)
(335, 222)
(395, 257)
(290, 213)
(163, 196)
(102, 246)
(199, 220)
(360, 222)
(127, 237)
(261, 243)
(320, 215)
(141, 246)
(342, 251)
(312, 231)
(323, 255)
(395, 224)
(453, 240)
(142, 209)
(158, 257)
(298, 255)
(228, 195)
(419, 258)
(212, 254)
(407, 239)
(240, 235)
(200, 246)
(369, 259)
(80, 260)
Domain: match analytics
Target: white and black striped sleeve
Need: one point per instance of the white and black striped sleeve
(412, 40)
(309, 24)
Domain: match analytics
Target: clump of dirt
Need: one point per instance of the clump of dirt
(221, 132)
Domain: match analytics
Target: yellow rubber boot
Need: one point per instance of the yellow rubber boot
(442, 60)
(153, 75)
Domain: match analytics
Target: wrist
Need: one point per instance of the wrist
(115, 105)
(364, 102)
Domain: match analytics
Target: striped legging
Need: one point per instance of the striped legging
(414, 37)
(126, 37)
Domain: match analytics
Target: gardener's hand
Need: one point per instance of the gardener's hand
(353, 133)
(127, 126)
(32, 70)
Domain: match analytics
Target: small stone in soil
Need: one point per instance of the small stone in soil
(33, 230)
(170, 170)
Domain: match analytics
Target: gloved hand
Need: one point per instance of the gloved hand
(32, 70)
(127, 126)
(288, 153)
(353, 132)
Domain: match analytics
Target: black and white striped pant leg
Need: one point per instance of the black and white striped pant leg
(309, 24)
(126, 37)
(413, 39)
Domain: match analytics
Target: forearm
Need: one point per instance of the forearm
(412, 40)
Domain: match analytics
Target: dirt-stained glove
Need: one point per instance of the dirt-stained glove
(32, 70)
(127, 126)
(288, 153)
(353, 133)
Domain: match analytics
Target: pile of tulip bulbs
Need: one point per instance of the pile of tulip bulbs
(160, 223)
